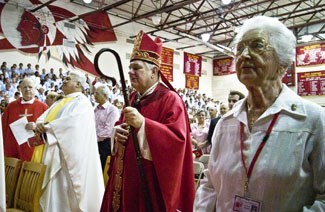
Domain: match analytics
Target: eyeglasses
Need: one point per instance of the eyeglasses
(259, 46)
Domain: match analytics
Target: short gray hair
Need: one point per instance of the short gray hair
(150, 65)
(103, 90)
(28, 80)
(280, 37)
(79, 78)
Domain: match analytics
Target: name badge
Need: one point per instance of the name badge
(244, 204)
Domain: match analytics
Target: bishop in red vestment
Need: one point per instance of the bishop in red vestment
(27, 106)
(159, 117)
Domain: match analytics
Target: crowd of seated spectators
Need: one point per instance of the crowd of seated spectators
(50, 81)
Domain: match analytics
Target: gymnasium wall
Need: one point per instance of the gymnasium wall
(216, 87)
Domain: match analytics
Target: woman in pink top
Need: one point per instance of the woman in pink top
(200, 133)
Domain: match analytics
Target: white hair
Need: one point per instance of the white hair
(104, 91)
(280, 37)
(150, 65)
(28, 80)
(79, 77)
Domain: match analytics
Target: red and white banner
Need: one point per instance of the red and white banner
(192, 64)
(49, 32)
(192, 81)
(167, 60)
(311, 83)
(310, 55)
(223, 66)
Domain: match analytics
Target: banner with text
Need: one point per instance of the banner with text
(167, 59)
(223, 66)
(311, 83)
(310, 55)
(192, 81)
(192, 64)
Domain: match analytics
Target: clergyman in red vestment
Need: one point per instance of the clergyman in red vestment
(159, 117)
(27, 106)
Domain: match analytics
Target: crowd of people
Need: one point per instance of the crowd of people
(48, 89)
(266, 149)
(48, 85)
(46, 82)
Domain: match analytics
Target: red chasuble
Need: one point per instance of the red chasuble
(14, 111)
(170, 173)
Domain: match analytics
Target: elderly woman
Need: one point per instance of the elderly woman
(269, 150)
(199, 133)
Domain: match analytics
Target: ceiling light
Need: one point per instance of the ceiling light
(225, 1)
(156, 19)
(87, 1)
(205, 37)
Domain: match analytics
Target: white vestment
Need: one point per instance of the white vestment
(73, 179)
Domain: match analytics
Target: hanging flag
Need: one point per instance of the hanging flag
(192, 64)
(192, 82)
(167, 60)
(223, 66)
(311, 54)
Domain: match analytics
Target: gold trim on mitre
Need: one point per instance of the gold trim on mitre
(146, 55)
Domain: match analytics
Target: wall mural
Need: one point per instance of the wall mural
(48, 32)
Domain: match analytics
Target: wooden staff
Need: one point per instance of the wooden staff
(142, 174)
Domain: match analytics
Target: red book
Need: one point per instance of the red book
(36, 140)
(198, 153)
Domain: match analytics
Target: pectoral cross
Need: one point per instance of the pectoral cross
(25, 114)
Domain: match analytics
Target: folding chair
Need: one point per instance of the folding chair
(198, 172)
(204, 159)
(12, 173)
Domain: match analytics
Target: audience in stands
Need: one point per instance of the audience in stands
(47, 81)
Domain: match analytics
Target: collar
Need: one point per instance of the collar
(287, 101)
(147, 92)
(105, 105)
(27, 102)
(75, 94)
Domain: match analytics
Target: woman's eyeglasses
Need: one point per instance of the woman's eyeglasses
(259, 46)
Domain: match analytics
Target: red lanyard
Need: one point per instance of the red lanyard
(260, 147)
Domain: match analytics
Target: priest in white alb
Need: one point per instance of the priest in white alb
(73, 179)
